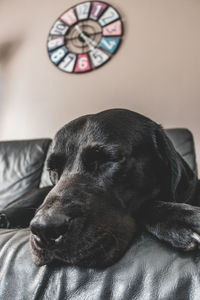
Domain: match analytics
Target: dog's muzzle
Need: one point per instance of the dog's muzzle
(78, 224)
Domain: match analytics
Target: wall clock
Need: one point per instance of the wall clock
(85, 37)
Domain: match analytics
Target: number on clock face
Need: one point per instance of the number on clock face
(82, 10)
(97, 9)
(59, 28)
(109, 44)
(69, 17)
(55, 42)
(83, 63)
(58, 55)
(68, 63)
(85, 37)
(98, 57)
(109, 16)
(113, 29)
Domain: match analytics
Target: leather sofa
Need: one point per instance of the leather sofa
(149, 270)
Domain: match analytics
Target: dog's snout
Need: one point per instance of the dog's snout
(49, 232)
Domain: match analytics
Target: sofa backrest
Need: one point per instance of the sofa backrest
(21, 166)
(183, 142)
(22, 163)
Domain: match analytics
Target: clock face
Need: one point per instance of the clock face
(85, 37)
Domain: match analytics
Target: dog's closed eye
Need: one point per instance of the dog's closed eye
(55, 164)
(96, 157)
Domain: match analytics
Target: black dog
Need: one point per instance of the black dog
(113, 173)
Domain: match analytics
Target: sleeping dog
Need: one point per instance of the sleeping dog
(114, 174)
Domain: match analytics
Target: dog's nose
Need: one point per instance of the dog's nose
(48, 233)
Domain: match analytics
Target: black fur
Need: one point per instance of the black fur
(114, 173)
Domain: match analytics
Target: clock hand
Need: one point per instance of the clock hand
(88, 41)
(89, 34)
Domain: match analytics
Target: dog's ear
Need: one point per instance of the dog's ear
(180, 179)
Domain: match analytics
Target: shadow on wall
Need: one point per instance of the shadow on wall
(7, 52)
(1, 96)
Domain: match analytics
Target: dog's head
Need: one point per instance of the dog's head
(104, 168)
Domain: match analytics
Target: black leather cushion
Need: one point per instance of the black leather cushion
(148, 271)
(21, 165)
(45, 180)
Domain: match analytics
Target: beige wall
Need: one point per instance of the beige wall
(156, 71)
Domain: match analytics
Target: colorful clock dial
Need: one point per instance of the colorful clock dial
(85, 37)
